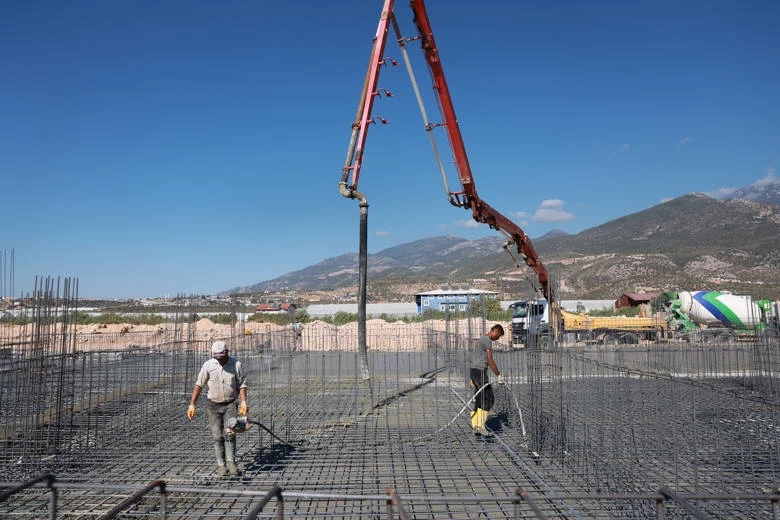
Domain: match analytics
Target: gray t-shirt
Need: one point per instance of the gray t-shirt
(224, 381)
(478, 357)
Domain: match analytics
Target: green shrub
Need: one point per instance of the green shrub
(340, 318)
(269, 317)
(151, 319)
(82, 318)
(223, 319)
(610, 311)
(110, 319)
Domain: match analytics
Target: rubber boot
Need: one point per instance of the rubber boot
(219, 451)
(482, 416)
(230, 455)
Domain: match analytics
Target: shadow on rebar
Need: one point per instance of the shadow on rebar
(270, 457)
(136, 497)
(497, 422)
(429, 377)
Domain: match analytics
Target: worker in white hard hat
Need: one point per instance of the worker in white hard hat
(227, 397)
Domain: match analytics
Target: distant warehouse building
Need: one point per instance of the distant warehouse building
(450, 300)
(410, 309)
(373, 310)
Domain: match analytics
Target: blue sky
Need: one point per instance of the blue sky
(163, 148)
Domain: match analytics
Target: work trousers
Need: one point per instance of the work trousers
(484, 399)
(219, 414)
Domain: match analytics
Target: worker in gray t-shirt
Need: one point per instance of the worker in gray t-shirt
(481, 361)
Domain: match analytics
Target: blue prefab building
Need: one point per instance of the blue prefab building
(449, 300)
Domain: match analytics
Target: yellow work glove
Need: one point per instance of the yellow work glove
(191, 412)
(242, 408)
(500, 380)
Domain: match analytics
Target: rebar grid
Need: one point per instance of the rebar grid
(700, 419)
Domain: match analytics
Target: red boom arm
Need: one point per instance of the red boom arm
(468, 198)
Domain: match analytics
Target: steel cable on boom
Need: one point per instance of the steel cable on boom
(451, 197)
(428, 125)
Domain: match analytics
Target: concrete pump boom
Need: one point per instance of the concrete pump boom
(467, 197)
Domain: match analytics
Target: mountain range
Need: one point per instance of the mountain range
(689, 243)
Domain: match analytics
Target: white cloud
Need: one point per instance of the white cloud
(724, 193)
(551, 210)
(769, 179)
(382, 233)
(521, 217)
(685, 140)
(721, 193)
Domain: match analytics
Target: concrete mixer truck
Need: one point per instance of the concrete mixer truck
(719, 316)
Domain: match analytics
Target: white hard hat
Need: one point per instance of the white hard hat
(219, 348)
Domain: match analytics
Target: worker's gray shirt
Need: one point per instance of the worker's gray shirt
(478, 356)
(224, 381)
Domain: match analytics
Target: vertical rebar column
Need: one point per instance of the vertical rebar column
(66, 376)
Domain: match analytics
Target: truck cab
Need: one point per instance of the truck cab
(529, 318)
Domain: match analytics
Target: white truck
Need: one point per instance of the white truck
(539, 324)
